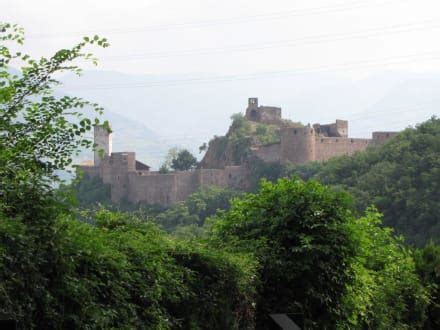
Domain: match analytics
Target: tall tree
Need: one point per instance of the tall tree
(298, 232)
(184, 160)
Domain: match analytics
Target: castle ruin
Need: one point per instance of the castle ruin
(133, 181)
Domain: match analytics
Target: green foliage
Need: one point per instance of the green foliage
(267, 134)
(90, 190)
(183, 161)
(298, 232)
(428, 268)
(40, 132)
(186, 218)
(163, 169)
(320, 264)
(386, 293)
(268, 171)
(293, 247)
(244, 133)
(178, 160)
(402, 178)
(121, 273)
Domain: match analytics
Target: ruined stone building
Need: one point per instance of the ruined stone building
(133, 181)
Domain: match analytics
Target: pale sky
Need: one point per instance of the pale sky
(238, 37)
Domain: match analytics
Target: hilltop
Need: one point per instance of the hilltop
(263, 135)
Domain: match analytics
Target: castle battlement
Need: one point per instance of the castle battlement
(133, 181)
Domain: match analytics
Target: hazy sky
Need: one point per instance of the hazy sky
(238, 37)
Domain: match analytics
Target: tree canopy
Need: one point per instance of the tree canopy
(401, 178)
(319, 263)
(183, 161)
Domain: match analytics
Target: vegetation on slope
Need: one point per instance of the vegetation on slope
(236, 145)
(318, 262)
(401, 178)
(291, 247)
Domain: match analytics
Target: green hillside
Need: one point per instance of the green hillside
(402, 178)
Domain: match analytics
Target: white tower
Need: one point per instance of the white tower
(103, 143)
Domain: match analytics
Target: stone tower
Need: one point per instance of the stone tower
(298, 145)
(262, 114)
(103, 143)
(252, 111)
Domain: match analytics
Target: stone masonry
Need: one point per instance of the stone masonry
(131, 180)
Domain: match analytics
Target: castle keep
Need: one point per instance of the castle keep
(133, 181)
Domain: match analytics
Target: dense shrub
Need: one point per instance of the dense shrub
(121, 273)
(320, 264)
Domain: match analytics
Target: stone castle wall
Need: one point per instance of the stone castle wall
(158, 188)
(133, 181)
(269, 153)
(297, 145)
(329, 147)
(152, 189)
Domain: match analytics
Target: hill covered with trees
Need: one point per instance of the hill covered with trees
(290, 247)
(401, 178)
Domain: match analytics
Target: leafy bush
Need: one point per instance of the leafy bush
(121, 273)
(298, 233)
(195, 210)
(428, 268)
(90, 190)
(320, 264)
(386, 293)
